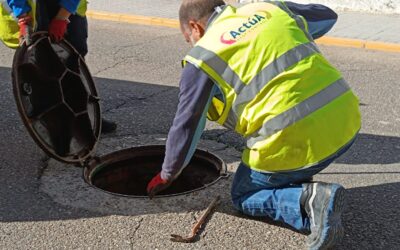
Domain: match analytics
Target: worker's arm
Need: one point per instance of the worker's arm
(320, 19)
(19, 7)
(196, 91)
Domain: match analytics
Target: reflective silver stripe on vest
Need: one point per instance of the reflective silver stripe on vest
(272, 70)
(275, 68)
(6, 7)
(231, 120)
(219, 66)
(299, 111)
(246, 93)
(297, 18)
(217, 12)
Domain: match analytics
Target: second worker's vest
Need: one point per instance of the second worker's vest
(279, 92)
(9, 30)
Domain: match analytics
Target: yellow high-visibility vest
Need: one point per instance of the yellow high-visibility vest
(9, 30)
(82, 8)
(280, 93)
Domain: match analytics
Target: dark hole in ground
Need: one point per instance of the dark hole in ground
(131, 176)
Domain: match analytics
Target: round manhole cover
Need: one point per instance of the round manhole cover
(127, 172)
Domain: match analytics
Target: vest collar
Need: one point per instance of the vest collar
(217, 12)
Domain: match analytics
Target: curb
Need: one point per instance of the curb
(173, 23)
(124, 18)
(356, 43)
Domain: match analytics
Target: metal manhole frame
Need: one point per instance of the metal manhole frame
(87, 176)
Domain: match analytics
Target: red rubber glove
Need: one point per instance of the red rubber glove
(57, 29)
(23, 22)
(156, 185)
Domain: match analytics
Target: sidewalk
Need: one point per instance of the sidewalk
(374, 31)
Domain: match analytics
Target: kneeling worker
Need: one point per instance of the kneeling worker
(256, 70)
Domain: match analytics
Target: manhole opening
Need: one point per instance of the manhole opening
(128, 172)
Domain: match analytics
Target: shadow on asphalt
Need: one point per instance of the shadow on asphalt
(371, 217)
(372, 149)
(372, 213)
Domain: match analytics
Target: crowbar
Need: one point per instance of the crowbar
(198, 225)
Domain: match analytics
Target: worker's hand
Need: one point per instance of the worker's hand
(156, 185)
(57, 29)
(24, 22)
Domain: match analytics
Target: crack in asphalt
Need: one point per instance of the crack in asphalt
(193, 214)
(358, 70)
(128, 100)
(219, 138)
(108, 67)
(120, 48)
(44, 163)
(118, 106)
(131, 239)
(125, 59)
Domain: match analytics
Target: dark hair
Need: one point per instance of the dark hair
(197, 10)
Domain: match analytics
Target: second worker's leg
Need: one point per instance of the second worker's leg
(77, 35)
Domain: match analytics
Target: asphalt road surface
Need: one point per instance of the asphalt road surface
(137, 70)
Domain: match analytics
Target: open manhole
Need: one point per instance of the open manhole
(59, 105)
(127, 172)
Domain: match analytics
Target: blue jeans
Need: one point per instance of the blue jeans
(77, 30)
(276, 195)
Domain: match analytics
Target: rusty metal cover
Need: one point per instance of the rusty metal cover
(57, 98)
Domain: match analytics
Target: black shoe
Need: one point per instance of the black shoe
(323, 204)
(107, 126)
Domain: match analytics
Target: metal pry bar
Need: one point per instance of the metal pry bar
(198, 225)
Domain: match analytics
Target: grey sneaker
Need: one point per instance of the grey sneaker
(323, 204)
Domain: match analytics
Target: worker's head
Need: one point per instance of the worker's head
(193, 17)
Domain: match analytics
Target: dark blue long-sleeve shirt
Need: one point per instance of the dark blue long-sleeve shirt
(197, 90)
(20, 7)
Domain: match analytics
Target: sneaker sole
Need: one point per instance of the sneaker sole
(334, 232)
